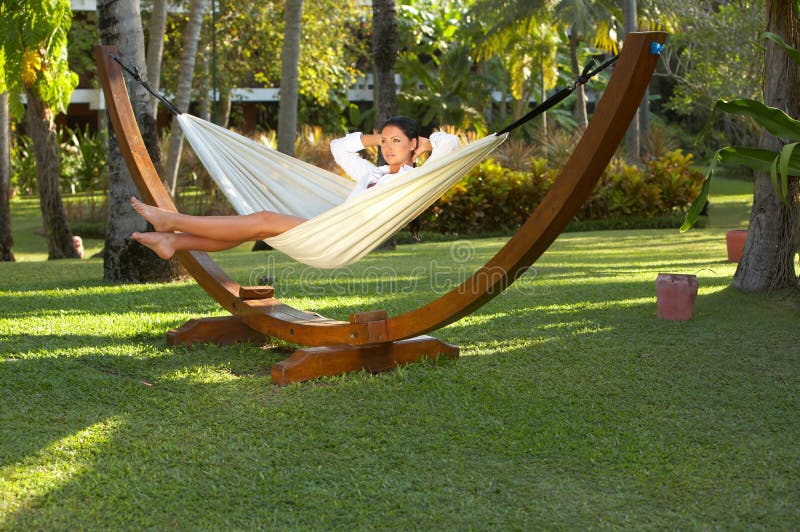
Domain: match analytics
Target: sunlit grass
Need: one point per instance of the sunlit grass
(571, 406)
(47, 470)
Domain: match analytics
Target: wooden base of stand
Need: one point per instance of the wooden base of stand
(314, 362)
(222, 330)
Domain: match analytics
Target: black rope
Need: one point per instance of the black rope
(138, 77)
(587, 74)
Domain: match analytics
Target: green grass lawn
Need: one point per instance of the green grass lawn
(571, 406)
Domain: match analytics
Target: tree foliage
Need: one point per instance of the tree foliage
(442, 79)
(529, 50)
(714, 52)
(249, 36)
(34, 52)
(526, 36)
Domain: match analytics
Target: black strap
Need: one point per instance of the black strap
(556, 98)
(138, 77)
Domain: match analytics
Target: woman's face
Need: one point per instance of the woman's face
(396, 147)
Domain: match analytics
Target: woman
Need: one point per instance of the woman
(400, 145)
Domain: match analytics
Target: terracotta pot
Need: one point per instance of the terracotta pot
(735, 239)
(675, 296)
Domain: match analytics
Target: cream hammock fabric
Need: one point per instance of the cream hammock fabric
(256, 178)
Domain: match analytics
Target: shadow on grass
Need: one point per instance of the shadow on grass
(107, 299)
(601, 404)
(68, 389)
(571, 395)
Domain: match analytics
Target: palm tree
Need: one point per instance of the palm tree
(191, 38)
(506, 14)
(632, 144)
(34, 44)
(5, 182)
(530, 59)
(119, 24)
(384, 56)
(584, 19)
(290, 59)
(546, 52)
(48, 169)
(155, 46)
(772, 239)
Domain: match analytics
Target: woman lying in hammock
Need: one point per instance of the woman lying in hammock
(400, 145)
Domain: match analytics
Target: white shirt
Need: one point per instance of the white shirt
(345, 152)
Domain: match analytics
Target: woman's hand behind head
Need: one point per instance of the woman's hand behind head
(424, 146)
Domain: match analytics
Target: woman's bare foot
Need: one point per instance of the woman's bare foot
(156, 216)
(162, 243)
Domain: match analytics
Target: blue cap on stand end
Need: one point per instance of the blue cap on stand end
(655, 48)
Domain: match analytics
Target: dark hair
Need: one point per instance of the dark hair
(408, 125)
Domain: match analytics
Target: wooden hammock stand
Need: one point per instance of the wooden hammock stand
(372, 340)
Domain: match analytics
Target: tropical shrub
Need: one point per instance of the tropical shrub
(83, 156)
(515, 154)
(87, 214)
(492, 198)
(662, 186)
(23, 165)
(489, 198)
(677, 178)
(313, 146)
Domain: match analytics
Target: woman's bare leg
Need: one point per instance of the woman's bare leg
(256, 226)
(165, 244)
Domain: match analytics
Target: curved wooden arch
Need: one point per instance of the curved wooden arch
(372, 340)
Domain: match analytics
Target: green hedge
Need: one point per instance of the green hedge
(494, 199)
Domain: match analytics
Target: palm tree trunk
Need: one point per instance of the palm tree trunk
(119, 24)
(6, 241)
(48, 171)
(632, 138)
(224, 107)
(290, 85)
(644, 124)
(204, 104)
(384, 56)
(155, 46)
(543, 97)
(191, 38)
(580, 103)
(769, 253)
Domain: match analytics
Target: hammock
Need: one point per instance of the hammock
(337, 233)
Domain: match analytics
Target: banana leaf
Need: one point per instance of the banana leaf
(793, 54)
(770, 118)
(785, 166)
(779, 165)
